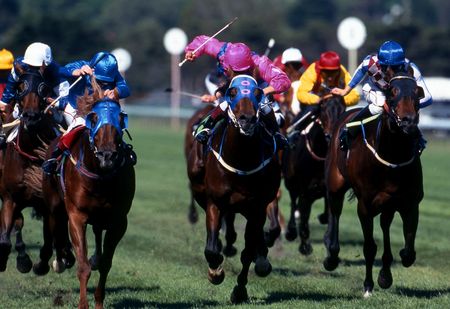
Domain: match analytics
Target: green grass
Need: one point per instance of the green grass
(160, 264)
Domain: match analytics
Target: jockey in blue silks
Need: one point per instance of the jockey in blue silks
(103, 67)
(379, 69)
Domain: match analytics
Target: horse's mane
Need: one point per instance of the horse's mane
(87, 100)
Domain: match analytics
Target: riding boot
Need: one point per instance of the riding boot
(347, 134)
(205, 127)
(49, 166)
(272, 126)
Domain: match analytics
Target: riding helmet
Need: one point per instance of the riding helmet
(238, 57)
(38, 53)
(391, 53)
(6, 59)
(329, 60)
(105, 66)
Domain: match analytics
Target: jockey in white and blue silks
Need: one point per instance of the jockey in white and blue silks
(390, 55)
(36, 55)
(379, 69)
(103, 66)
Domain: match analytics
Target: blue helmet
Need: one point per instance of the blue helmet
(105, 66)
(391, 53)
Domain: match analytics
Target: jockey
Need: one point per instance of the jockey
(379, 69)
(103, 67)
(319, 78)
(37, 55)
(235, 59)
(293, 63)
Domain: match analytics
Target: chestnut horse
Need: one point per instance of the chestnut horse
(21, 174)
(383, 168)
(96, 185)
(303, 168)
(239, 173)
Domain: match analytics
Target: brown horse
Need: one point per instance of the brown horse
(21, 174)
(303, 168)
(98, 184)
(383, 167)
(238, 174)
(230, 233)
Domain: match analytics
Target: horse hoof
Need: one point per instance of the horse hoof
(69, 259)
(291, 234)
(408, 257)
(331, 264)
(271, 236)
(239, 295)
(229, 251)
(385, 278)
(59, 267)
(93, 261)
(305, 249)
(24, 264)
(193, 217)
(216, 276)
(323, 218)
(262, 267)
(41, 269)
(367, 294)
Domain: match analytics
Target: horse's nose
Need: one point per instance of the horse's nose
(107, 159)
(409, 124)
(31, 118)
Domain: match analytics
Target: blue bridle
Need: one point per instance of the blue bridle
(245, 86)
(108, 112)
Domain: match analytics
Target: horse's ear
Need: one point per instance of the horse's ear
(91, 120)
(420, 93)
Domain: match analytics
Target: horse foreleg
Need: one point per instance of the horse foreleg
(212, 249)
(6, 224)
(410, 217)
(230, 235)
(274, 224)
(77, 228)
(94, 260)
(192, 212)
(112, 238)
(331, 238)
(41, 268)
(291, 231)
(323, 217)
(305, 204)
(23, 261)
(385, 275)
(370, 247)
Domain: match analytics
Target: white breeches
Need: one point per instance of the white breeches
(375, 97)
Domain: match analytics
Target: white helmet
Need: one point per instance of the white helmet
(36, 53)
(291, 55)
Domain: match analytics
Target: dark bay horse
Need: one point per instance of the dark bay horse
(96, 185)
(303, 167)
(238, 174)
(21, 175)
(383, 168)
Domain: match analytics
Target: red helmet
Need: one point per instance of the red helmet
(329, 60)
(238, 57)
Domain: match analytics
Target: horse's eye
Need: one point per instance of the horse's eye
(91, 120)
(233, 92)
(43, 90)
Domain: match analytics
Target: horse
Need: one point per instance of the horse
(303, 168)
(383, 167)
(238, 173)
(96, 186)
(21, 176)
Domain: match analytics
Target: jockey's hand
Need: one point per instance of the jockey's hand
(85, 70)
(3, 107)
(111, 94)
(207, 98)
(49, 100)
(190, 56)
(341, 92)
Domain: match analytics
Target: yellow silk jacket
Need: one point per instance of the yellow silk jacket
(310, 90)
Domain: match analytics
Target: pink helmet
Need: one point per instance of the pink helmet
(238, 57)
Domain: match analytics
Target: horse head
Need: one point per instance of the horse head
(402, 100)
(330, 110)
(244, 97)
(106, 123)
(31, 95)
